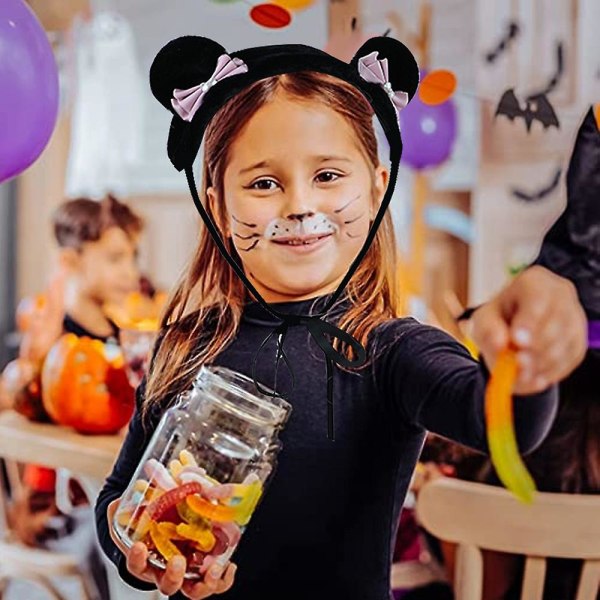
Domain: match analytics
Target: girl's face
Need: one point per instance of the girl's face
(299, 198)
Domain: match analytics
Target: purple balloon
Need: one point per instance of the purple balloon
(28, 88)
(428, 133)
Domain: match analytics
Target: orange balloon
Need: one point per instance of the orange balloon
(295, 4)
(437, 87)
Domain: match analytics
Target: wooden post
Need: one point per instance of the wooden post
(341, 14)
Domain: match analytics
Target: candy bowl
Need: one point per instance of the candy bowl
(204, 472)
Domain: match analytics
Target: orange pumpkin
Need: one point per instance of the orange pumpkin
(85, 385)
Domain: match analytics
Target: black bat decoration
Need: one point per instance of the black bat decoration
(557, 75)
(540, 194)
(511, 34)
(537, 108)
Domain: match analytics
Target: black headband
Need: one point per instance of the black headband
(194, 76)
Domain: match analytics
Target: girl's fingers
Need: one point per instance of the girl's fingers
(229, 575)
(213, 575)
(172, 580)
(211, 585)
(137, 560)
(136, 556)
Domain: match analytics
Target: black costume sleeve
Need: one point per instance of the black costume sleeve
(430, 380)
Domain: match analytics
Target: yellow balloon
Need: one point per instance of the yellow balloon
(295, 4)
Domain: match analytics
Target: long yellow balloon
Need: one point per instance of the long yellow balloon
(500, 429)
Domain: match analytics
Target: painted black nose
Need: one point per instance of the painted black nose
(300, 217)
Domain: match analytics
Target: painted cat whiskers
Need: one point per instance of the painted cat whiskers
(299, 225)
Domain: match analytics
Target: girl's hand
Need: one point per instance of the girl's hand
(169, 580)
(539, 314)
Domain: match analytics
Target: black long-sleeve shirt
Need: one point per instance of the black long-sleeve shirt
(327, 524)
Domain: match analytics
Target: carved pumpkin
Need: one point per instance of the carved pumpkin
(85, 386)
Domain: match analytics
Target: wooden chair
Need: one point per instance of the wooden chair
(36, 565)
(477, 516)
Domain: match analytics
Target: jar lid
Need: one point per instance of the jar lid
(239, 394)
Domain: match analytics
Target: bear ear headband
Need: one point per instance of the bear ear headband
(194, 76)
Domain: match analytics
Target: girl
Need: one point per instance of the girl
(289, 154)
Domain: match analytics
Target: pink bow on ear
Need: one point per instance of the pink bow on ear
(187, 102)
(375, 70)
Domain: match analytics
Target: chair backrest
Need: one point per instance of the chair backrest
(477, 516)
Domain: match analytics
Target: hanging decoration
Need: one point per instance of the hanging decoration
(437, 87)
(541, 193)
(272, 16)
(537, 105)
(537, 108)
(511, 34)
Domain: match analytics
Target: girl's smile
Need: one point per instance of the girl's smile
(304, 245)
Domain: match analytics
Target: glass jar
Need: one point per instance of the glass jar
(204, 471)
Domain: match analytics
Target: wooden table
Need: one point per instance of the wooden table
(88, 457)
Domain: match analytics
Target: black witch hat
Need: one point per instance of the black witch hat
(571, 248)
(194, 76)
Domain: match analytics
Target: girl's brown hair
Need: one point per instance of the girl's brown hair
(203, 313)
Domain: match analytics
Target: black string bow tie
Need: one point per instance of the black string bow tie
(317, 327)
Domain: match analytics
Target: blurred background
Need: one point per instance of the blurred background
(482, 176)
(476, 229)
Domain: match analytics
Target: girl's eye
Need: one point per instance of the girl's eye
(254, 185)
(326, 173)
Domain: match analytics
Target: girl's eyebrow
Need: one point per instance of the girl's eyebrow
(318, 158)
(326, 157)
(258, 165)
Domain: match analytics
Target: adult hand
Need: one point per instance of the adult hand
(538, 314)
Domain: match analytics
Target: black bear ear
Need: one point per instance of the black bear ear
(403, 71)
(183, 63)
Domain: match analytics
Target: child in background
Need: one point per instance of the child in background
(289, 148)
(98, 249)
(97, 264)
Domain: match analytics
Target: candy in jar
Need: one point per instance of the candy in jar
(204, 471)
